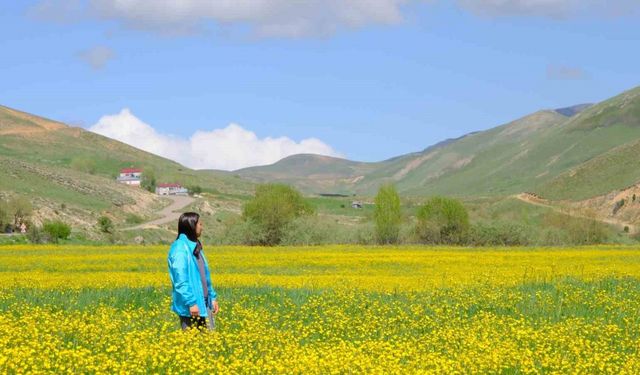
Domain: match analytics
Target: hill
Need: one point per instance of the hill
(570, 153)
(70, 173)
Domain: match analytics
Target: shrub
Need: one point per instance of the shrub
(442, 220)
(57, 230)
(195, 189)
(36, 235)
(366, 234)
(148, 181)
(105, 224)
(577, 231)
(240, 231)
(313, 230)
(273, 207)
(498, 234)
(387, 216)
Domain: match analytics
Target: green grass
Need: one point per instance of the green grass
(554, 301)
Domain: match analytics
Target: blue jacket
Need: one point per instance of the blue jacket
(185, 278)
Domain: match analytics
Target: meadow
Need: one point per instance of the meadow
(328, 309)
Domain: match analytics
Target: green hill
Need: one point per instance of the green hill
(553, 154)
(69, 172)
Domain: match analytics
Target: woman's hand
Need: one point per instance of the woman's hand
(194, 310)
(215, 307)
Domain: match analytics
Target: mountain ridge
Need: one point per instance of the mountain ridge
(526, 154)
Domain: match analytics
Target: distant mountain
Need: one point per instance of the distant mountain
(570, 153)
(311, 173)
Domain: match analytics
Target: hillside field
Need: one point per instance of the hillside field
(331, 309)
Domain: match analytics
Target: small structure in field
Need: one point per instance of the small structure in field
(130, 176)
(171, 189)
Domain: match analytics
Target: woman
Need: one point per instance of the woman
(193, 297)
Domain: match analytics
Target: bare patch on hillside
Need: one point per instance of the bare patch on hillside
(413, 164)
(462, 162)
(620, 208)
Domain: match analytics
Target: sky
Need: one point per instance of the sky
(229, 84)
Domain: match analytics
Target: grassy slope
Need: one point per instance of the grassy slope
(542, 152)
(66, 147)
(614, 169)
(71, 172)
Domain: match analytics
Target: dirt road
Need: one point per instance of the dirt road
(609, 220)
(168, 213)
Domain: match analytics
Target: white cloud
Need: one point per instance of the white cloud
(551, 8)
(229, 148)
(298, 18)
(97, 57)
(268, 18)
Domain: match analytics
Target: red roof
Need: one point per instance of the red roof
(169, 185)
(131, 170)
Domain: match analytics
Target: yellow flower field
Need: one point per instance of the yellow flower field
(332, 309)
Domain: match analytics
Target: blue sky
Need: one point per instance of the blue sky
(367, 80)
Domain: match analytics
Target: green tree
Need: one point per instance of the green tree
(105, 224)
(194, 189)
(57, 230)
(148, 181)
(442, 220)
(387, 215)
(273, 207)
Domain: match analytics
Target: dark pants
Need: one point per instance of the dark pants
(193, 322)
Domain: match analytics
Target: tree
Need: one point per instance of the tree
(106, 225)
(387, 215)
(273, 207)
(20, 208)
(194, 189)
(442, 220)
(5, 214)
(57, 230)
(148, 180)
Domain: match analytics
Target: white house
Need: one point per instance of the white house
(171, 189)
(130, 176)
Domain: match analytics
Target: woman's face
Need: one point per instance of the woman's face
(199, 227)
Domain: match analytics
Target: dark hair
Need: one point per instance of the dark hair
(187, 225)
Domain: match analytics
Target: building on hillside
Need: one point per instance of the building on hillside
(130, 176)
(171, 189)
(356, 204)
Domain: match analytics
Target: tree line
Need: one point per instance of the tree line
(279, 215)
